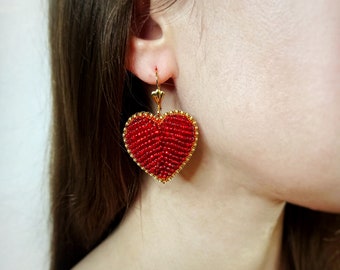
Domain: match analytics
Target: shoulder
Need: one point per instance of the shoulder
(100, 259)
(109, 255)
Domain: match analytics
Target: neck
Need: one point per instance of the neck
(211, 223)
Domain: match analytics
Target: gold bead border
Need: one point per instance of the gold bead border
(162, 117)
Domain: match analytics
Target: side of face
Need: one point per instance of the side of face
(262, 79)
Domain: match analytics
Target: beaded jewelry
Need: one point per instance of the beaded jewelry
(161, 144)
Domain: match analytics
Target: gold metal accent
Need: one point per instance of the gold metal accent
(157, 95)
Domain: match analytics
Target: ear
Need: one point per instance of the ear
(151, 48)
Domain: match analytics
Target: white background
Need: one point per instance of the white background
(24, 134)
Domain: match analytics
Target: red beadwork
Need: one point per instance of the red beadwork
(161, 145)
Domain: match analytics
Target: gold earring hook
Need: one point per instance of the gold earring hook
(156, 74)
(158, 94)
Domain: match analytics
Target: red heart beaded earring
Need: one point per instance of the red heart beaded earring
(161, 144)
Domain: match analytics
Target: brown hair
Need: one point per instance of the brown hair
(93, 181)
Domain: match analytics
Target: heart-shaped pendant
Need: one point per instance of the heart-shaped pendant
(161, 144)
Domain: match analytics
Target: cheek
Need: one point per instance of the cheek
(267, 101)
(293, 148)
(295, 126)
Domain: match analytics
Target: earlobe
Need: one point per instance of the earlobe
(151, 49)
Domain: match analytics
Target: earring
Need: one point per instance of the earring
(161, 144)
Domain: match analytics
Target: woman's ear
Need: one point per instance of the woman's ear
(150, 47)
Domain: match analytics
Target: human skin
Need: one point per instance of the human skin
(262, 80)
